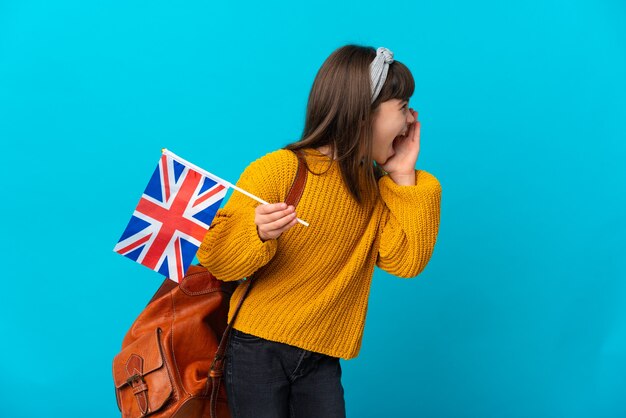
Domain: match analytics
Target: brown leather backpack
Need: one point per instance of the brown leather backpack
(171, 364)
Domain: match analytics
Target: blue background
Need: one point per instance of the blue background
(522, 309)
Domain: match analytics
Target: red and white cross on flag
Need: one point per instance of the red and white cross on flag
(172, 217)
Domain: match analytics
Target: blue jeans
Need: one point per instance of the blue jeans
(268, 379)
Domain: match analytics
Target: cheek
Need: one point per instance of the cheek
(381, 148)
(391, 130)
(384, 138)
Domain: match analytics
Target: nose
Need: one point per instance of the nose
(410, 118)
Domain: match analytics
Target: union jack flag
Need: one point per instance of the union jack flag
(171, 219)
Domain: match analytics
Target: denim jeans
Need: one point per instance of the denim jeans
(268, 379)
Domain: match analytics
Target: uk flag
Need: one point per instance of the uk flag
(171, 219)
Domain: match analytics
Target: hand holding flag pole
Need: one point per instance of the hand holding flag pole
(219, 180)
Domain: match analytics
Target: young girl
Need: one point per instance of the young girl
(366, 204)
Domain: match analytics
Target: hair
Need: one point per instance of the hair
(339, 113)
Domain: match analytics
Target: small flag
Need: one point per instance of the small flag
(172, 217)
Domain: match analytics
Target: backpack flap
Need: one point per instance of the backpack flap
(141, 376)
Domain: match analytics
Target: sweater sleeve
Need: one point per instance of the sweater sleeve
(232, 248)
(410, 224)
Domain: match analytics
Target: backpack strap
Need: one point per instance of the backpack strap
(297, 188)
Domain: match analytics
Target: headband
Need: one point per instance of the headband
(378, 70)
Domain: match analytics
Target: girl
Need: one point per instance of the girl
(366, 204)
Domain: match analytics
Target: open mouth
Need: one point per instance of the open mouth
(401, 135)
(398, 138)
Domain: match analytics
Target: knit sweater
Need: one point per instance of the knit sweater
(311, 285)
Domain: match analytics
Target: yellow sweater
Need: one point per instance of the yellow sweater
(312, 284)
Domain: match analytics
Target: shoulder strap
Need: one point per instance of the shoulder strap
(297, 187)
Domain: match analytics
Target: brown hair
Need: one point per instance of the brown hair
(339, 113)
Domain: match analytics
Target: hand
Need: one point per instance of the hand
(401, 167)
(273, 219)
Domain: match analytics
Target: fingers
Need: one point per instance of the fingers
(414, 130)
(275, 229)
(274, 210)
(416, 133)
(278, 224)
(274, 219)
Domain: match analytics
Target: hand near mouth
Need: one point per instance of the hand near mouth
(401, 165)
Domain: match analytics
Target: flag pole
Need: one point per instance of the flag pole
(219, 180)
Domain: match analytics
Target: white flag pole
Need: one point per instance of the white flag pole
(219, 180)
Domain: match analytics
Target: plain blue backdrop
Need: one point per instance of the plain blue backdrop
(522, 309)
